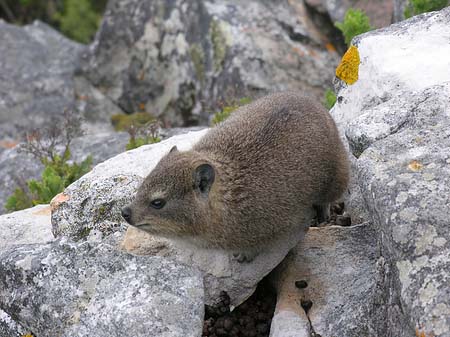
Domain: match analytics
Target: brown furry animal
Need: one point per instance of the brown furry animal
(250, 180)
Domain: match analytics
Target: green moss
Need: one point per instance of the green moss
(84, 233)
(330, 99)
(123, 122)
(355, 23)
(219, 44)
(225, 112)
(416, 7)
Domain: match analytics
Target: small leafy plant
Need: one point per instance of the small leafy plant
(51, 146)
(415, 7)
(355, 22)
(330, 99)
(143, 135)
(227, 108)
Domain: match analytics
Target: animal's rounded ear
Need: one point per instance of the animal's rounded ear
(204, 176)
(173, 149)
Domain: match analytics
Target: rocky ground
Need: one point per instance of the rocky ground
(381, 269)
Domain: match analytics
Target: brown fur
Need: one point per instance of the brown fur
(273, 160)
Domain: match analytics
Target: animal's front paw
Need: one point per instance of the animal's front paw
(244, 257)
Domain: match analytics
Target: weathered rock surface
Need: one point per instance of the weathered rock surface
(380, 12)
(83, 289)
(397, 121)
(339, 267)
(29, 226)
(175, 59)
(37, 81)
(90, 208)
(10, 328)
(221, 271)
(16, 168)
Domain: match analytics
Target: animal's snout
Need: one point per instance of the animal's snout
(126, 213)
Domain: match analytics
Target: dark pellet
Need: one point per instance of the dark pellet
(302, 284)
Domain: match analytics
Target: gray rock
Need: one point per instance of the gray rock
(83, 289)
(9, 327)
(339, 266)
(380, 12)
(398, 128)
(175, 59)
(24, 227)
(36, 81)
(29, 226)
(16, 168)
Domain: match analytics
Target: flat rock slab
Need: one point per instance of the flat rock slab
(339, 267)
(29, 226)
(70, 289)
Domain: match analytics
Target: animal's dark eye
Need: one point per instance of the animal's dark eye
(158, 203)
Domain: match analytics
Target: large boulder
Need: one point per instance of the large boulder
(88, 289)
(177, 59)
(37, 84)
(396, 118)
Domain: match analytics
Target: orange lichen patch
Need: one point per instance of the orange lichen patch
(420, 333)
(58, 200)
(142, 106)
(330, 47)
(83, 97)
(44, 211)
(415, 166)
(7, 144)
(298, 51)
(348, 69)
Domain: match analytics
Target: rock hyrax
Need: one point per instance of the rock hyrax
(249, 180)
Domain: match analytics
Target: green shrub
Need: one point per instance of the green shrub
(355, 22)
(57, 175)
(228, 108)
(330, 99)
(51, 146)
(78, 20)
(415, 7)
(144, 134)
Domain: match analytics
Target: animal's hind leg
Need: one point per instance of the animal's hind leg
(323, 212)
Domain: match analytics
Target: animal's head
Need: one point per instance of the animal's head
(173, 200)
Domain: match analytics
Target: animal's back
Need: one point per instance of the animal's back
(280, 155)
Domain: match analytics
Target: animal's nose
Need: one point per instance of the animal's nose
(126, 213)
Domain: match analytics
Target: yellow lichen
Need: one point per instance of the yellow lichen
(349, 67)
(28, 335)
(415, 166)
